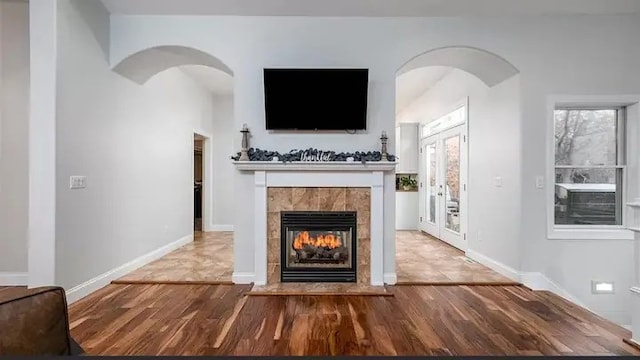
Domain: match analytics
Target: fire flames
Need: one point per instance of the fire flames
(330, 241)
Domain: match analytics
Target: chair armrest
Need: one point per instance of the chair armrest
(34, 322)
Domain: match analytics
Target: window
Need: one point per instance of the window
(452, 119)
(589, 166)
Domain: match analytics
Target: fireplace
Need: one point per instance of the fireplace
(318, 246)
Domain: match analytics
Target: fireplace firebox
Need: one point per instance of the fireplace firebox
(318, 246)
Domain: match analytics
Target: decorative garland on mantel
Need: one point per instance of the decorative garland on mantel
(314, 155)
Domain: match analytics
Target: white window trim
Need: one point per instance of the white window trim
(462, 103)
(589, 232)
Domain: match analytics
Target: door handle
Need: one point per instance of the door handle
(439, 194)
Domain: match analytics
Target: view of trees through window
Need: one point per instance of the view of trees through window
(452, 161)
(587, 173)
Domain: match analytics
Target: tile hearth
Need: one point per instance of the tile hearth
(329, 289)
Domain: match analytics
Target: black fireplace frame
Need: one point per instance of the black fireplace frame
(299, 220)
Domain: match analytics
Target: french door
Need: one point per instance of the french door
(443, 186)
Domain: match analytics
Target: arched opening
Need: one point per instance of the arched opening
(486, 66)
(458, 140)
(206, 140)
(143, 65)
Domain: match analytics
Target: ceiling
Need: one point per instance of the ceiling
(371, 8)
(214, 80)
(412, 84)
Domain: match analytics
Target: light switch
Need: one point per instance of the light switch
(78, 182)
(539, 182)
(498, 181)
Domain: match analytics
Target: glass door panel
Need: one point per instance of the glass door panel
(431, 186)
(442, 189)
(452, 182)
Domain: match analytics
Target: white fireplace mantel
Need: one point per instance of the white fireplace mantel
(314, 166)
(317, 174)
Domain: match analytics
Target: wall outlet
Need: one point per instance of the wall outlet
(540, 182)
(77, 182)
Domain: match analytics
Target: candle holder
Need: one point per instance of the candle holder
(384, 139)
(244, 153)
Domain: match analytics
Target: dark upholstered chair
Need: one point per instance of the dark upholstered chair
(35, 322)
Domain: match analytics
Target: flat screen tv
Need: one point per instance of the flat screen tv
(316, 99)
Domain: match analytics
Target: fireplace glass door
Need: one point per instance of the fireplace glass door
(318, 247)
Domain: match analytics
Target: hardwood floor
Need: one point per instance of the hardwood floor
(418, 320)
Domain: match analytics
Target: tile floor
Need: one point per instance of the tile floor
(420, 259)
(209, 258)
(423, 259)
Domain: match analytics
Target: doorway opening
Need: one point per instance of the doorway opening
(443, 178)
(198, 167)
(439, 94)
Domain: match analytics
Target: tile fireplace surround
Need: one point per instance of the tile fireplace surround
(319, 199)
(318, 187)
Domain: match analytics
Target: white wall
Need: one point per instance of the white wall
(494, 147)
(249, 44)
(14, 126)
(495, 225)
(555, 54)
(443, 97)
(494, 150)
(222, 139)
(134, 144)
(603, 65)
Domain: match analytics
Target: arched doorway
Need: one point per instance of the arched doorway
(208, 258)
(439, 94)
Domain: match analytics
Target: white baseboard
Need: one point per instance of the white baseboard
(105, 279)
(390, 278)
(242, 278)
(220, 228)
(538, 281)
(535, 281)
(496, 266)
(532, 280)
(14, 279)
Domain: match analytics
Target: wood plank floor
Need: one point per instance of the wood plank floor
(418, 320)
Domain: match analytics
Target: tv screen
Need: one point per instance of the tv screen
(316, 99)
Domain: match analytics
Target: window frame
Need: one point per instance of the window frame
(462, 107)
(624, 158)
